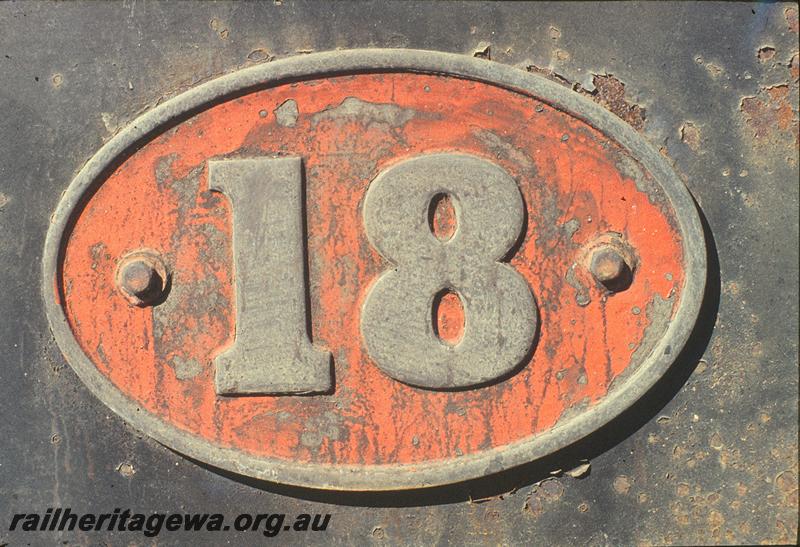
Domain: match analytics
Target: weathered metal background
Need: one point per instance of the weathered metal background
(709, 457)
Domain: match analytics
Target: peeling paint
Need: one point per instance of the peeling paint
(370, 112)
(286, 114)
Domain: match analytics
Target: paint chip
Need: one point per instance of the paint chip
(286, 114)
(580, 471)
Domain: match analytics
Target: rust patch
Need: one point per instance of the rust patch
(690, 135)
(771, 115)
(765, 53)
(609, 92)
(790, 14)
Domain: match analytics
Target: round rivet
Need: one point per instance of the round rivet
(610, 268)
(142, 278)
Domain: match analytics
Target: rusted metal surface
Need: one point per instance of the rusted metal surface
(710, 456)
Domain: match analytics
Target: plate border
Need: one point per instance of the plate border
(387, 476)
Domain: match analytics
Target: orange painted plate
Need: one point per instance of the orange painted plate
(584, 176)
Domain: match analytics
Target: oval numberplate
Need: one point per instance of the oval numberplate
(373, 269)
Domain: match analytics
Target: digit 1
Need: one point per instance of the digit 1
(272, 352)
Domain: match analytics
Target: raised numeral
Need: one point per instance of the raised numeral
(272, 352)
(499, 309)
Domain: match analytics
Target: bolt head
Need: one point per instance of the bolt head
(142, 278)
(139, 277)
(610, 268)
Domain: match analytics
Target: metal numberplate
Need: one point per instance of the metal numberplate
(373, 269)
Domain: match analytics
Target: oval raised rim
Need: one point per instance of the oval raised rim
(386, 476)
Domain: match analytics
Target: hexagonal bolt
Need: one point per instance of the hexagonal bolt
(611, 269)
(142, 278)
